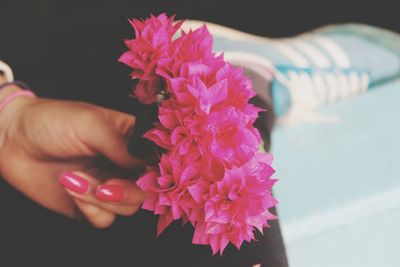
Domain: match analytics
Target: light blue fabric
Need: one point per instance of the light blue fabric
(370, 243)
(327, 167)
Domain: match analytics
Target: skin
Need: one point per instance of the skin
(40, 139)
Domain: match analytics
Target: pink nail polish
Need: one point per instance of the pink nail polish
(74, 182)
(113, 193)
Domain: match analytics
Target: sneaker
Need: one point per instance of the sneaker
(313, 69)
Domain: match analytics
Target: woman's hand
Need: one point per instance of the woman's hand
(58, 153)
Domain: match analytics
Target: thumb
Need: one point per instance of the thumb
(109, 135)
(122, 122)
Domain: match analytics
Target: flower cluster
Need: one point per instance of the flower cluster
(212, 174)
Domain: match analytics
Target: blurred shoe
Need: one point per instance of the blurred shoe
(315, 68)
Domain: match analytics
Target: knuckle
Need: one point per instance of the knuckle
(90, 116)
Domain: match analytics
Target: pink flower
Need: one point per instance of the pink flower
(193, 47)
(158, 30)
(240, 86)
(160, 136)
(153, 41)
(170, 190)
(211, 174)
(232, 137)
(147, 89)
(236, 205)
(210, 96)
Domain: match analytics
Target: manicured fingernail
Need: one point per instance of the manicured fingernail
(113, 193)
(74, 182)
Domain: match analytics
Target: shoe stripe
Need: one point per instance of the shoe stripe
(336, 53)
(344, 88)
(292, 54)
(316, 57)
(311, 90)
(320, 87)
(354, 80)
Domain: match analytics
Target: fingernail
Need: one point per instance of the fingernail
(74, 182)
(114, 193)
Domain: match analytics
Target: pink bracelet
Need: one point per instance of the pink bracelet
(14, 95)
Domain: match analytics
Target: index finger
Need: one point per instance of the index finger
(115, 195)
(120, 192)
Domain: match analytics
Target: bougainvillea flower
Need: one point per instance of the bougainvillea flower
(212, 173)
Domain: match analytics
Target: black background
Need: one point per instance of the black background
(68, 49)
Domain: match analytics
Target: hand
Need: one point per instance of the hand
(42, 140)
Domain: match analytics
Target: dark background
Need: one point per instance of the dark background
(69, 49)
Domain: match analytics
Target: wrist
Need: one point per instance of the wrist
(10, 113)
(8, 89)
